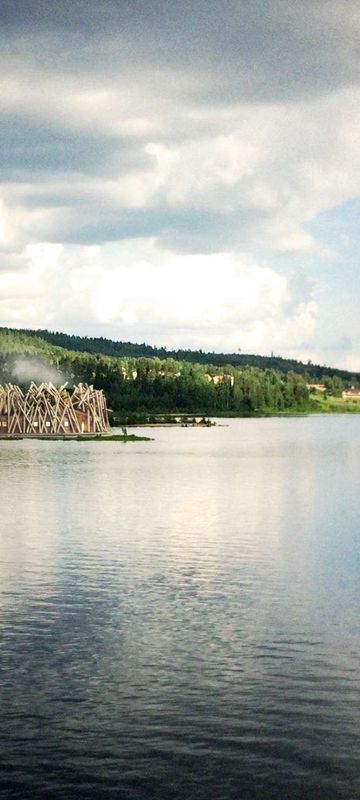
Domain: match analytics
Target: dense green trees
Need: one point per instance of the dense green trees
(106, 347)
(154, 385)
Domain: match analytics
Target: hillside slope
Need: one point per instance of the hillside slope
(118, 349)
(142, 385)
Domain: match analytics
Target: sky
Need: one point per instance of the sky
(183, 173)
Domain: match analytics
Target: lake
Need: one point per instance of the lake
(180, 618)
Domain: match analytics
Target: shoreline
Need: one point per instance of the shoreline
(114, 437)
(168, 421)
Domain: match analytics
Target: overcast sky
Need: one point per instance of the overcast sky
(184, 173)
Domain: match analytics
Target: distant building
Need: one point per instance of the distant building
(220, 378)
(352, 393)
(316, 387)
(126, 376)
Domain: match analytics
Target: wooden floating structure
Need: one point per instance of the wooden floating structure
(45, 410)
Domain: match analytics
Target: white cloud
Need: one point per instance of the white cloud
(194, 170)
(266, 170)
(216, 301)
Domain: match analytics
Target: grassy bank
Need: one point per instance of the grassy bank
(334, 405)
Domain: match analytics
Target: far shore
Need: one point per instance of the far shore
(320, 406)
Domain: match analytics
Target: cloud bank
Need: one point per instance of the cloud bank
(163, 167)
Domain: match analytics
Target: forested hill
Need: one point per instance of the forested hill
(149, 384)
(107, 347)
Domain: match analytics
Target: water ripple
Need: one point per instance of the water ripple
(182, 620)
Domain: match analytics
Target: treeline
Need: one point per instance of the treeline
(152, 385)
(24, 342)
(107, 347)
(137, 385)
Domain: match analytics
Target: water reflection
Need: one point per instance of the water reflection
(182, 614)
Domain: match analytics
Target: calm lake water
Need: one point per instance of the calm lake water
(180, 619)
